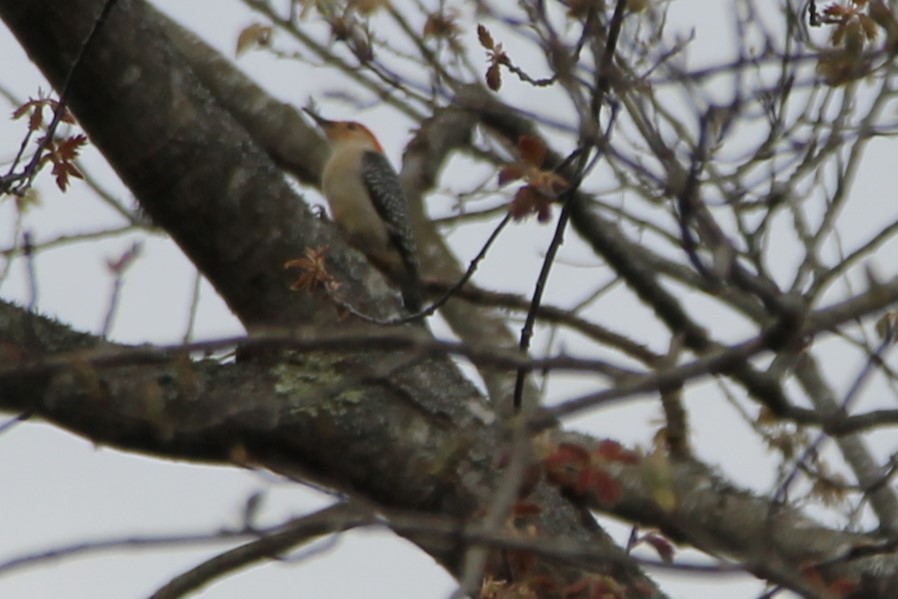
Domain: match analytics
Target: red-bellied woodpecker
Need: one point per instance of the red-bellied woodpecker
(368, 205)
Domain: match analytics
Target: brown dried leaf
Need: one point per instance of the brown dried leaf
(255, 35)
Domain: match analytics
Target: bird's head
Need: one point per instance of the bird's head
(346, 132)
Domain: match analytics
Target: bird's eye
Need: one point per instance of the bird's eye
(352, 126)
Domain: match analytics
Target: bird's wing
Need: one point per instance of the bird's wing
(386, 194)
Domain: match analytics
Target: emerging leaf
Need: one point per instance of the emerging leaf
(366, 7)
(486, 40)
(62, 171)
(510, 172)
(528, 200)
(613, 451)
(67, 149)
(532, 150)
(595, 482)
(887, 326)
(494, 77)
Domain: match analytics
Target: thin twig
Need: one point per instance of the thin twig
(333, 519)
(194, 305)
(31, 268)
(852, 394)
(603, 84)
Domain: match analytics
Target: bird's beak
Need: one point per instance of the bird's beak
(322, 122)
